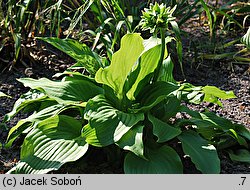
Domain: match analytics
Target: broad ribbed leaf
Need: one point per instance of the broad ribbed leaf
(190, 112)
(212, 90)
(106, 124)
(212, 94)
(246, 38)
(25, 100)
(163, 160)
(122, 63)
(133, 141)
(50, 144)
(84, 56)
(28, 122)
(242, 130)
(206, 123)
(64, 92)
(167, 109)
(237, 137)
(207, 129)
(202, 154)
(209, 125)
(154, 93)
(148, 62)
(216, 121)
(162, 130)
(227, 126)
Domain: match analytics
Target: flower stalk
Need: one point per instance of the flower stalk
(156, 19)
(163, 48)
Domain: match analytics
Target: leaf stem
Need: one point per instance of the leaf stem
(163, 48)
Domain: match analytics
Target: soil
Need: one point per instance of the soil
(41, 60)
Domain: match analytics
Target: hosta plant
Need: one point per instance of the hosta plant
(133, 104)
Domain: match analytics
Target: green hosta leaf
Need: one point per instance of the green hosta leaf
(202, 154)
(163, 160)
(29, 122)
(197, 99)
(17, 130)
(241, 155)
(167, 109)
(152, 42)
(197, 94)
(147, 64)
(212, 94)
(242, 130)
(210, 125)
(122, 63)
(246, 38)
(207, 129)
(154, 93)
(84, 56)
(107, 124)
(227, 126)
(216, 121)
(237, 137)
(225, 141)
(133, 141)
(25, 100)
(65, 92)
(190, 112)
(72, 76)
(53, 142)
(218, 93)
(162, 130)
